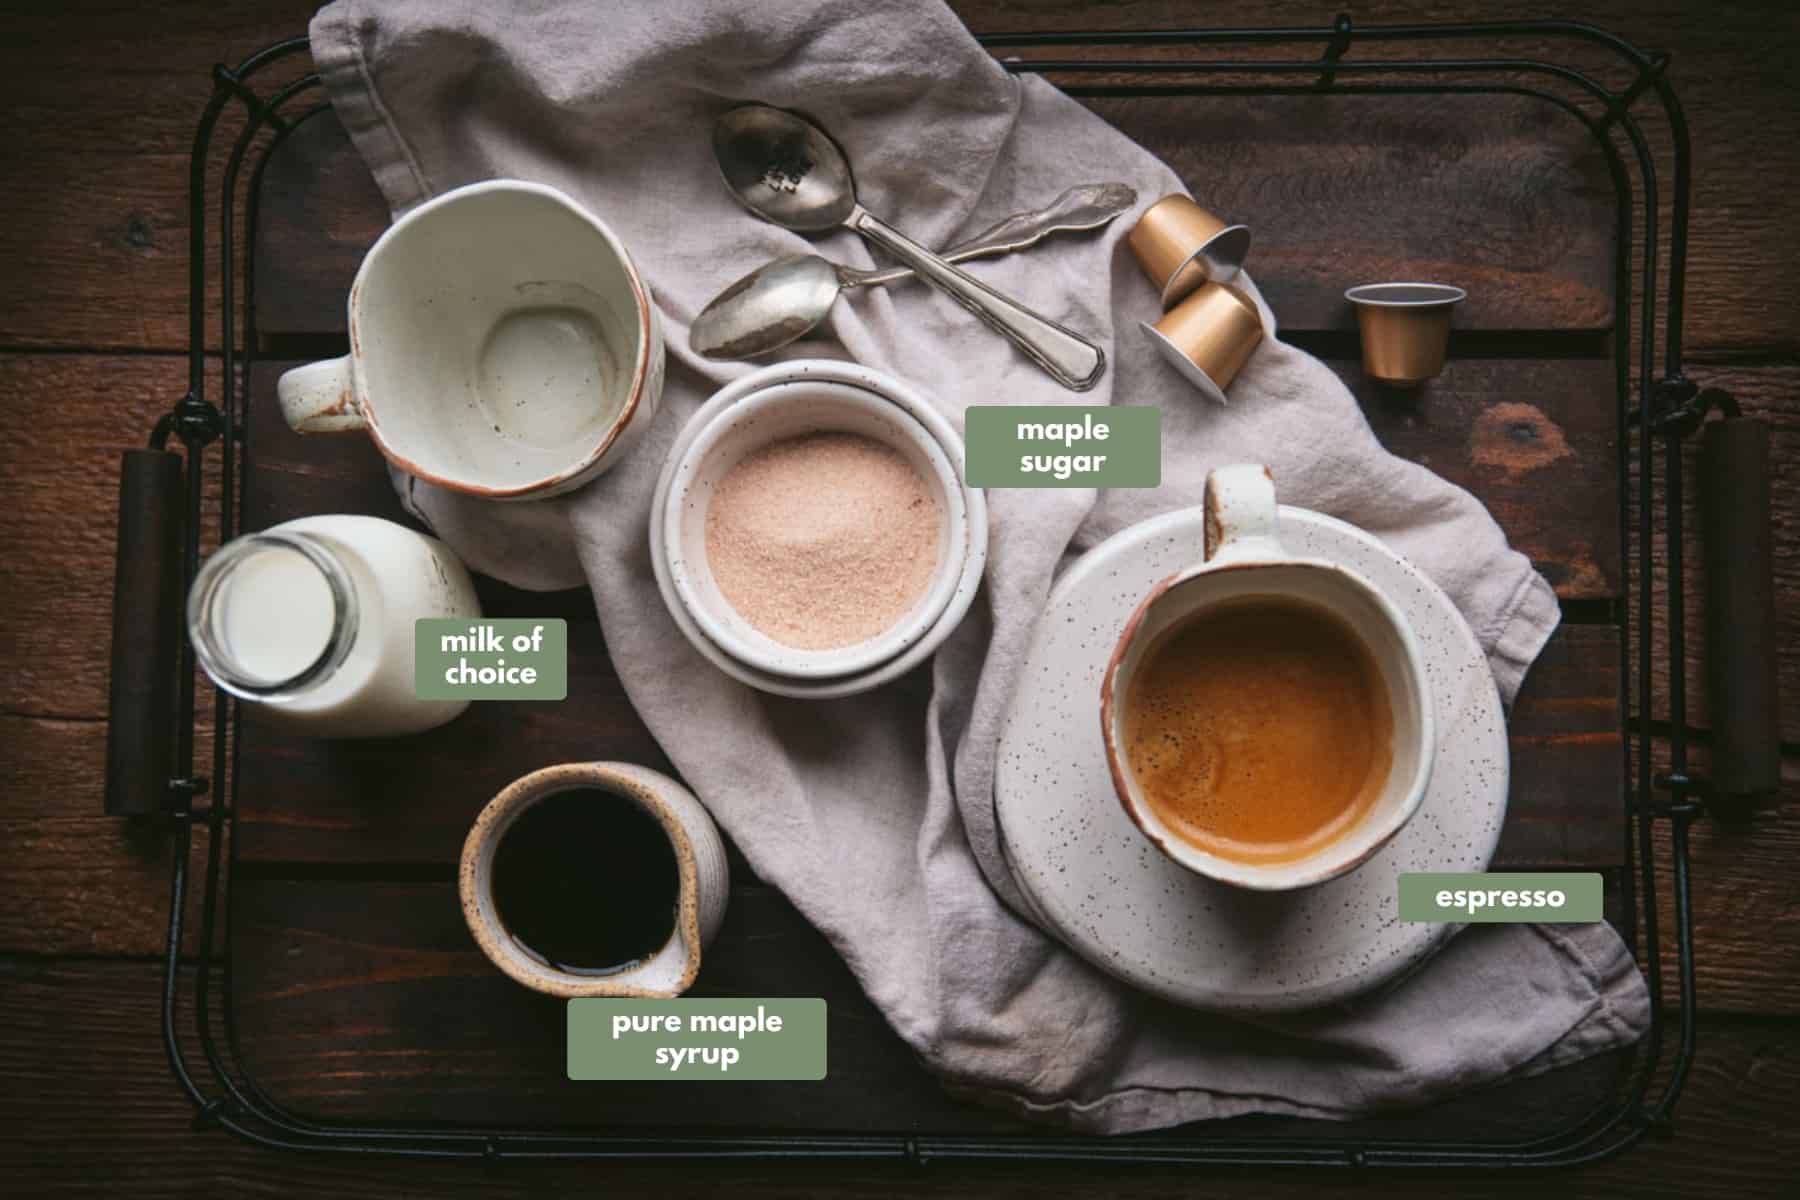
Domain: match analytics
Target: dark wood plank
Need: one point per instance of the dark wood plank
(59, 498)
(1746, 901)
(412, 800)
(1566, 803)
(322, 213)
(364, 999)
(1314, 179)
(1533, 439)
(367, 999)
(1497, 195)
(99, 193)
(87, 884)
(115, 1120)
(74, 881)
(104, 97)
(1731, 67)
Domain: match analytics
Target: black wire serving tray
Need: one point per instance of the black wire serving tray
(152, 756)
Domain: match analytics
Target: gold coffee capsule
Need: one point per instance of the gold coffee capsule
(1181, 246)
(1209, 337)
(1405, 329)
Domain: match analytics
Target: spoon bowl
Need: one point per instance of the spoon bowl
(767, 309)
(784, 168)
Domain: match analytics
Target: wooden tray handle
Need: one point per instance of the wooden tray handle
(140, 732)
(1738, 550)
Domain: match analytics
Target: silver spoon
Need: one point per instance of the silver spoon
(789, 172)
(785, 299)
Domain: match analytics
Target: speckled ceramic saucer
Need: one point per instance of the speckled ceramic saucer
(1099, 885)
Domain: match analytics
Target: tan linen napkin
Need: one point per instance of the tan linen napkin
(874, 815)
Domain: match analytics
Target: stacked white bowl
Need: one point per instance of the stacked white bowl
(790, 400)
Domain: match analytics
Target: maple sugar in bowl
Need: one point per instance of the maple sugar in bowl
(816, 529)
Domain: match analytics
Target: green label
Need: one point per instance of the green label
(756, 1038)
(1064, 446)
(1481, 898)
(491, 659)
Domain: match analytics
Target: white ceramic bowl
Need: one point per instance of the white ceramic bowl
(903, 396)
(773, 414)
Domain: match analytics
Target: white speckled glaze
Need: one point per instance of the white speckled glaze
(699, 855)
(974, 507)
(1099, 885)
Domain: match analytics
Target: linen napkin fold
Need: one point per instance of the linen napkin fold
(874, 815)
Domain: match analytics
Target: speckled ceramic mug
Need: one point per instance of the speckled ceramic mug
(1244, 559)
(705, 880)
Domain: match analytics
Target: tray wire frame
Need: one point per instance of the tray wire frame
(1650, 407)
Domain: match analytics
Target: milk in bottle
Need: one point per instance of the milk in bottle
(311, 623)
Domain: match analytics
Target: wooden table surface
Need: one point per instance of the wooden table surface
(359, 991)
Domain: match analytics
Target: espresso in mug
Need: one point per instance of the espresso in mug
(1259, 729)
(586, 881)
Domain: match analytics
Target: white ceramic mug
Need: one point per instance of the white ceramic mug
(502, 344)
(1244, 558)
(704, 880)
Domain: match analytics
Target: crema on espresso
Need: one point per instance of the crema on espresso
(1259, 729)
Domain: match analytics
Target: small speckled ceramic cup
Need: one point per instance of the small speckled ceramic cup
(1245, 559)
(705, 880)
(502, 343)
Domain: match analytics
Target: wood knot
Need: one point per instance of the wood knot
(138, 234)
(1516, 438)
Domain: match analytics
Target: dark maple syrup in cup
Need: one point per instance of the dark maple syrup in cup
(586, 881)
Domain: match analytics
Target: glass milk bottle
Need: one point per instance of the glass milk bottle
(311, 622)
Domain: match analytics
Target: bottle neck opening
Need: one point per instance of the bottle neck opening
(272, 614)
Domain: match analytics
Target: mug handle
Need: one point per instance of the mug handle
(1240, 511)
(320, 398)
